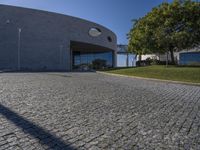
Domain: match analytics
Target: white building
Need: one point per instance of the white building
(194, 55)
(124, 58)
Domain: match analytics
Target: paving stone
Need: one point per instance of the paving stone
(64, 111)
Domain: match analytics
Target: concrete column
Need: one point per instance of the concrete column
(115, 59)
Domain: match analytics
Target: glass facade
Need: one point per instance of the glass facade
(92, 60)
(191, 58)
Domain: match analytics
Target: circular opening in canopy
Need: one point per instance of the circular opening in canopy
(94, 32)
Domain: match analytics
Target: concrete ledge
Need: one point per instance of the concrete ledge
(150, 79)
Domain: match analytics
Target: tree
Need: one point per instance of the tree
(167, 28)
(137, 39)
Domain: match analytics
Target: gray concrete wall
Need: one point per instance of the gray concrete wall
(42, 35)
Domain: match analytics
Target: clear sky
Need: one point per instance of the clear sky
(113, 14)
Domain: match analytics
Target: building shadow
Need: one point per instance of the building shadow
(49, 72)
(80, 71)
(59, 74)
(47, 139)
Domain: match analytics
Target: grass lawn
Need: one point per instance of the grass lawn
(186, 74)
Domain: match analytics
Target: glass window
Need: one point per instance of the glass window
(109, 39)
(93, 60)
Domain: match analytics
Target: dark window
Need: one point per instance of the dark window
(109, 39)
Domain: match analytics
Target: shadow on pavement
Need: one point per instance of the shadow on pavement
(45, 138)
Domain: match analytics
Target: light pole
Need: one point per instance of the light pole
(18, 51)
(61, 47)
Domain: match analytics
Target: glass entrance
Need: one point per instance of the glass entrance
(92, 60)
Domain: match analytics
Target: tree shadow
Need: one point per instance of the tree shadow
(45, 138)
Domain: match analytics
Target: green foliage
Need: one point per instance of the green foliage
(168, 27)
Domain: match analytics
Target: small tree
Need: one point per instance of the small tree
(167, 28)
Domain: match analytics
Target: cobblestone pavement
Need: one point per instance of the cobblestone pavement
(96, 111)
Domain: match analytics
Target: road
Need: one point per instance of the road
(95, 111)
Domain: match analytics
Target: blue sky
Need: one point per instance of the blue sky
(113, 14)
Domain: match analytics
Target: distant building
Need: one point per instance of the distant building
(125, 58)
(184, 57)
(191, 57)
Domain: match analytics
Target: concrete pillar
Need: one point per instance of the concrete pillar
(115, 59)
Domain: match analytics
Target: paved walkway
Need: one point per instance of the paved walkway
(96, 111)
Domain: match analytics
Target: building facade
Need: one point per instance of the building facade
(190, 58)
(37, 40)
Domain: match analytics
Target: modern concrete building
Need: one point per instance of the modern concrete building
(37, 40)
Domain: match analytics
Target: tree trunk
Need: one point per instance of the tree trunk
(167, 59)
(140, 58)
(172, 56)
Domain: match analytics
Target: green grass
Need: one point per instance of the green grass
(186, 74)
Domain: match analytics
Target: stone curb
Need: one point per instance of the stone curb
(150, 79)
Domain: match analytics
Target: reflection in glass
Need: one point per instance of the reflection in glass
(92, 60)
